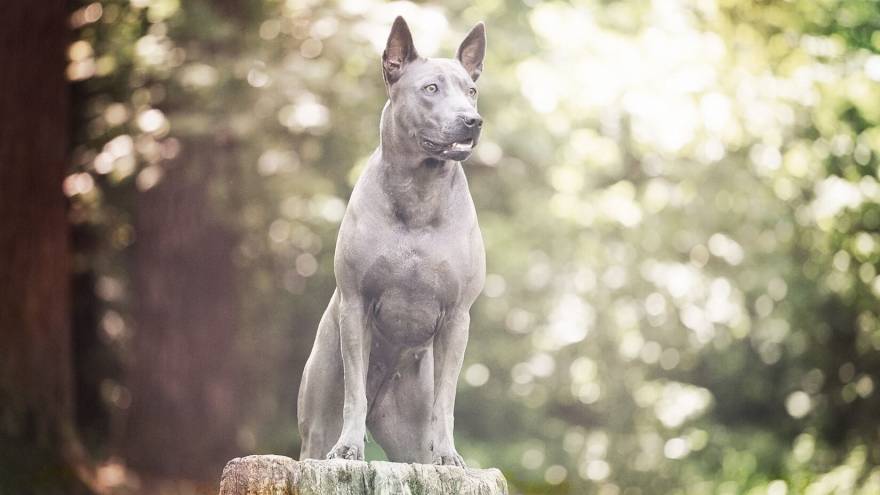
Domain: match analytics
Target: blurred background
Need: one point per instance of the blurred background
(679, 201)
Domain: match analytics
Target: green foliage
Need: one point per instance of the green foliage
(679, 203)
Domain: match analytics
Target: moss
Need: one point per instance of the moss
(416, 486)
(344, 476)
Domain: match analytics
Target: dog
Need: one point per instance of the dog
(409, 264)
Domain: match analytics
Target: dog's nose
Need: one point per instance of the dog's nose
(472, 120)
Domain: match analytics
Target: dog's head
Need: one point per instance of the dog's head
(434, 100)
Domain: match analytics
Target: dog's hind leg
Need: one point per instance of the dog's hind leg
(400, 418)
(320, 401)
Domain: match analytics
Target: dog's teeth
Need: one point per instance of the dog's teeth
(462, 146)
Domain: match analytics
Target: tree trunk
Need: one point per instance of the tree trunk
(36, 399)
(184, 378)
(277, 475)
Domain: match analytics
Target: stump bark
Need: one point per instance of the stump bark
(278, 475)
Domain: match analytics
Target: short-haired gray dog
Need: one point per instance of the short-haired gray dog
(409, 264)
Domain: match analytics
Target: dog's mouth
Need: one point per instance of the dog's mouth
(455, 148)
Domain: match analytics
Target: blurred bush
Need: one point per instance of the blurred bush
(678, 199)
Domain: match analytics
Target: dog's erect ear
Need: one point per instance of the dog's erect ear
(399, 51)
(472, 51)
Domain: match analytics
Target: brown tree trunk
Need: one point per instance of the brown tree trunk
(36, 413)
(184, 380)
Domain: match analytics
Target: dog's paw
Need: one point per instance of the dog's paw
(450, 458)
(347, 451)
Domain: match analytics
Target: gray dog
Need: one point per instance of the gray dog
(409, 264)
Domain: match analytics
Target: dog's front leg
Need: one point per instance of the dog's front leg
(354, 339)
(449, 346)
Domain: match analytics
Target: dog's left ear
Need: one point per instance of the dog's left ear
(472, 51)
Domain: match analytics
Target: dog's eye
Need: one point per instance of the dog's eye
(430, 89)
(472, 92)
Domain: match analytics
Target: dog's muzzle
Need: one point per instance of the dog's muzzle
(458, 150)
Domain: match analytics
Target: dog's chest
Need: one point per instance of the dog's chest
(412, 283)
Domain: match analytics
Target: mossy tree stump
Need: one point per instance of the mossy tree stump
(278, 475)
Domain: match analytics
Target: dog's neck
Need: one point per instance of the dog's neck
(418, 186)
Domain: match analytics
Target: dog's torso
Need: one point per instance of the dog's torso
(414, 262)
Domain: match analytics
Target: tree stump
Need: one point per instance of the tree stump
(278, 475)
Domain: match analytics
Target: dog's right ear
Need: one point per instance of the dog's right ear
(399, 51)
